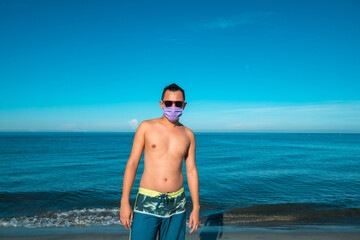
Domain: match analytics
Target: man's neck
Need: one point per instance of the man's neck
(168, 123)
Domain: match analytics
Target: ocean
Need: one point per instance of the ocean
(248, 179)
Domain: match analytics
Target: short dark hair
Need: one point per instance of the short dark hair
(173, 87)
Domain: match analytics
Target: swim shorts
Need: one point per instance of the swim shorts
(161, 214)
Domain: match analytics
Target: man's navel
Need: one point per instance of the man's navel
(153, 145)
(165, 179)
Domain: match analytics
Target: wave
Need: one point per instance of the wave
(77, 217)
(267, 214)
(20, 204)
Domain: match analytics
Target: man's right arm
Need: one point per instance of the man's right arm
(130, 174)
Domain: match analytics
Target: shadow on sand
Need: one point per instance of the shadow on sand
(216, 221)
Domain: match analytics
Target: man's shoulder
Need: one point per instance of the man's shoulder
(148, 123)
(189, 132)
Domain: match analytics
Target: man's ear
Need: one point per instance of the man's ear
(160, 102)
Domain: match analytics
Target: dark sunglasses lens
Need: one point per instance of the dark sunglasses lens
(178, 104)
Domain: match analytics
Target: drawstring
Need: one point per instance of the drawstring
(162, 196)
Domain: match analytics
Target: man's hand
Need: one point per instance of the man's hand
(194, 220)
(126, 215)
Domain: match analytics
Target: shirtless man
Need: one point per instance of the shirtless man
(160, 203)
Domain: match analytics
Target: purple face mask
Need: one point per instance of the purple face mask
(172, 113)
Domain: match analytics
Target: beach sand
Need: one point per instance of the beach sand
(203, 233)
(210, 236)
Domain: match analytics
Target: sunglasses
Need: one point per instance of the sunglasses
(170, 103)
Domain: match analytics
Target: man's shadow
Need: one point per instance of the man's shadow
(216, 222)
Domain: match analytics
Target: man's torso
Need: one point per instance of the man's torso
(165, 149)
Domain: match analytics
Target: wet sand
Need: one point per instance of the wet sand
(232, 232)
(209, 236)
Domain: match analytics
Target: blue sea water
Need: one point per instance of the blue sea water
(75, 179)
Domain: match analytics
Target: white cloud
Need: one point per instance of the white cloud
(243, 19)
(200, 115)
(133, 123)
(305, 108)
(280, 117)
(328, 107)
(224, 23)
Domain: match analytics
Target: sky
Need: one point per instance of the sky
(245, 66)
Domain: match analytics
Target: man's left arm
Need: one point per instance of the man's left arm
(193, 182)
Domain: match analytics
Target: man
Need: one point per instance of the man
(160, 203)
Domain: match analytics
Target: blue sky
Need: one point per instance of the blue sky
(245, 66)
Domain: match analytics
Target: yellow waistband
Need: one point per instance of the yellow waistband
(153, 193)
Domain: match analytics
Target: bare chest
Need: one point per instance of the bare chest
(161, 142)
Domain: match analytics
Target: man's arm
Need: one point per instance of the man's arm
(126, 213)
(193, 182)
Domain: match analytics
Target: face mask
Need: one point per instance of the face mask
(172, 113)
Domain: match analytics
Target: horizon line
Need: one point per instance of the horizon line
(207, 131)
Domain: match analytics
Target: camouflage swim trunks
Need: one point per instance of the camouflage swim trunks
(157, 213)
